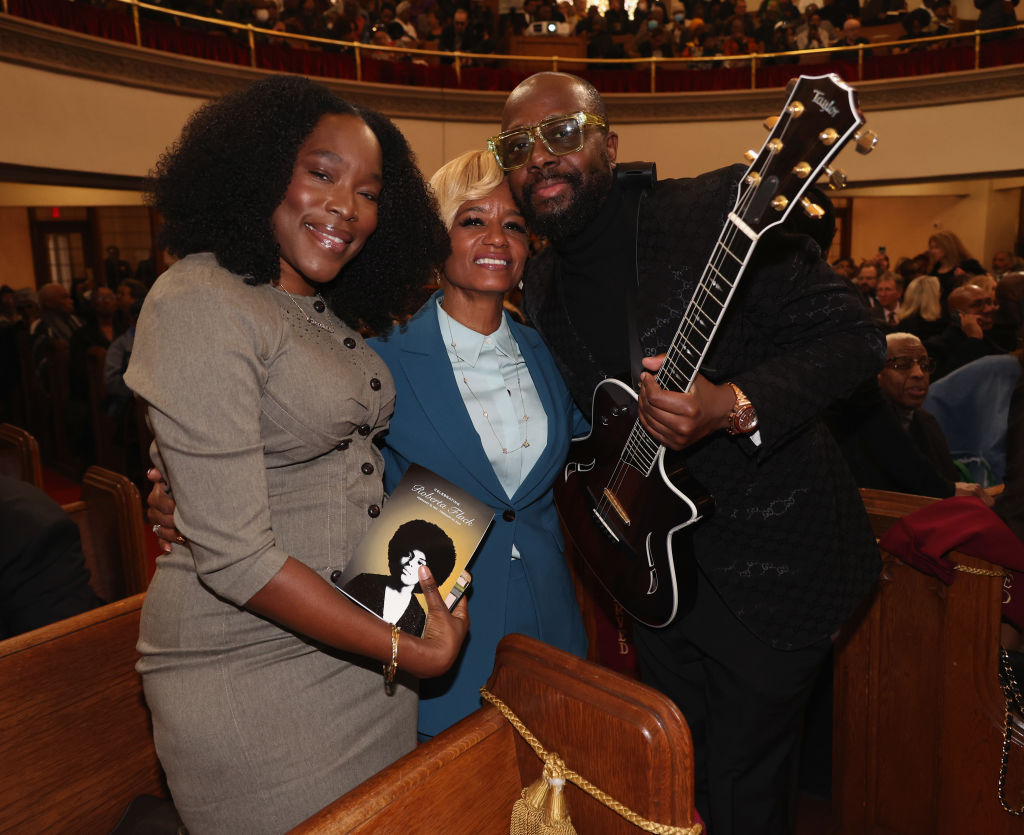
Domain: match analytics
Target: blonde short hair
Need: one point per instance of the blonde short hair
(470, 176)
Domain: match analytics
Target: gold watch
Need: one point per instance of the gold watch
(743, 417)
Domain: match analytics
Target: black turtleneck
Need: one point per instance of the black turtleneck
(593, 270)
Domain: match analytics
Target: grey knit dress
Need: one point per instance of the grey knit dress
(264, 425)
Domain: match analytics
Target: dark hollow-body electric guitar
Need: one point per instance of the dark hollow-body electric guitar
(624, 504)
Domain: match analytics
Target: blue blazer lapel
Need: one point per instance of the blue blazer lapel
(429, 373)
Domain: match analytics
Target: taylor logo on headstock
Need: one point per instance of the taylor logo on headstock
(825, 103)
(624, 506)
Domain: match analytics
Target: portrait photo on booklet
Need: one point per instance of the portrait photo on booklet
(427, 520)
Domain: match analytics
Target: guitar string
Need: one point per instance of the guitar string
(639, 441)
(640, 445)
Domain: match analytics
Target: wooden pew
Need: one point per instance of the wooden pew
(918, 718)
(109, 517)
(19, 455)
(626, 738)
(75, 737)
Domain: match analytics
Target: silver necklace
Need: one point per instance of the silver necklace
(320, 306)
(483, 411)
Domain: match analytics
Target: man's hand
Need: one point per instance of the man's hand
(970, 325)
(678, 419)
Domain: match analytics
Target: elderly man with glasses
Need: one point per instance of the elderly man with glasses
(889, 440)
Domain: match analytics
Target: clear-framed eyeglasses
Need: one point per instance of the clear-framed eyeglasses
(560, 134)
(904, 364)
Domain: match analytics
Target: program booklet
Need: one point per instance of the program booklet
(427, 520)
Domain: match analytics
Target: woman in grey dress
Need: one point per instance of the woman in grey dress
(298, 219)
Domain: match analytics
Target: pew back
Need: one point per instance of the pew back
(109, 517)
(19, 455)
(467, 779)
(918, 710)
(75, 737)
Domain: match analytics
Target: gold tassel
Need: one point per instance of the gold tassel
(541, 810)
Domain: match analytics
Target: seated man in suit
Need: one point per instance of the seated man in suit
(889, 441)
(43, 577)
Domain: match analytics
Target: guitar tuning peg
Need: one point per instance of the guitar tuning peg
(750, 156)
(866, 141)
(812, 210)
(836, 178)
(828, 136)
(771, 122)
(779, 202)
(790, 86)
(796, 110)
(802, 170)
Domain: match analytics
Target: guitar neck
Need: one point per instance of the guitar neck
(703, 315)
(706, 309)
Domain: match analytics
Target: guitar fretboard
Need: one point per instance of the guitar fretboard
(693, 337)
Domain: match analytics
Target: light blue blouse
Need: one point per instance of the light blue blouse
(500, 396)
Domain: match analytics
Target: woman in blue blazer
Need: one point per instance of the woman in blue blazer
(481, 403)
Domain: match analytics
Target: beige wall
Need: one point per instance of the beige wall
(15, 248)
(59, 121)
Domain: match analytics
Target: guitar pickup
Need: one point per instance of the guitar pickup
(618, 508)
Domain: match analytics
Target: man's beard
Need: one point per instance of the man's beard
(586, 198)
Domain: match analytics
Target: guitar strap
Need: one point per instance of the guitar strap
(637, 179)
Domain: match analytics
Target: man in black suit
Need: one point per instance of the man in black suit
(43, 577)
(787, 554)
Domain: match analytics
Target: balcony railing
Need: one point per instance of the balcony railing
(246, 44)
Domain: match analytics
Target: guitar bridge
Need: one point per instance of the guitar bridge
(618, 508)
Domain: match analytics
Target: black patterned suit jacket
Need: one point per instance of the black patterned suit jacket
(788, 545)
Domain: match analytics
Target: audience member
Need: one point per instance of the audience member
(1010, 298)
(913, 24)
(966, 337)
(409, 37)
(57, 322)
(98, 331)
(921, 310)
(995, 14)
(944, 19)
(43, 577)
(972, 406)
(8, 309)
(1005, 261)
(866, 281)
(845, 267)
(130, 292)
(1010, 503)
(115, 268)
(457, 37)
(951, 263)
(617, 18)
(888, 294)
(815, 33)
(850, 35)
(602, 45)
(888, 440)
